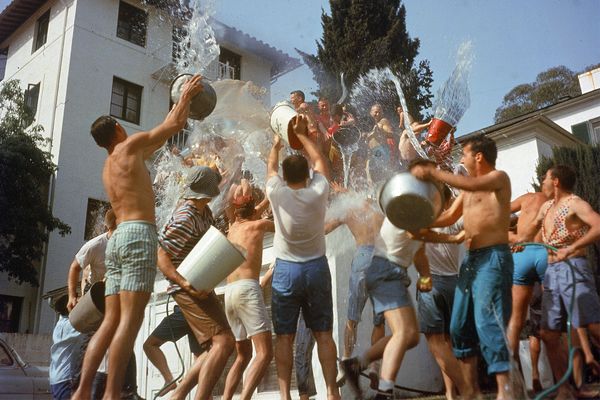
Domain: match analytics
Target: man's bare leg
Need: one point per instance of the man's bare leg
(222, 347)
(260, 363)
(243, 356)
(558, 360)
(349, 338)
(190, 379)
(468, 368)
(328, 358)
(521, 296)
(158, 359)
(98, 346)
(121, 347)
(403, 324)
(504, 387)
(284, 358)
(534, 352)
(441, 348)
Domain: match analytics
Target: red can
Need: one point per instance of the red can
(438, 130)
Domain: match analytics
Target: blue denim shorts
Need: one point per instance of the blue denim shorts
(558, 290)
(387, 284)
(302, 286)
(482, 306)
(358, 286)
(530, 265)
(434, 308)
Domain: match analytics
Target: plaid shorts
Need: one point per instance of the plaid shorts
(131, 255)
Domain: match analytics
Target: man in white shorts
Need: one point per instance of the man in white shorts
(244, 303)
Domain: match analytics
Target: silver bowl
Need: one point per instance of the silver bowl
(346, 136)
(410, 203)
(202, 104)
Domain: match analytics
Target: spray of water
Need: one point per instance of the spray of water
(453, 98)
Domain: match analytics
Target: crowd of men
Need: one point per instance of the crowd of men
(463, 307)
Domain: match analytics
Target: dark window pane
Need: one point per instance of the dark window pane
(31, 97)
(132, 24)
(41, 31)
(233, 60)
(581, 132)
(125, 101)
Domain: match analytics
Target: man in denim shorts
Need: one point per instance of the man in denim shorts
(301, 280)
(482, 300)
(131, 250)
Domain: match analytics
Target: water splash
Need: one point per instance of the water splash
(453, 98)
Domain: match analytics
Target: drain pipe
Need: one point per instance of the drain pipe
(40, 291)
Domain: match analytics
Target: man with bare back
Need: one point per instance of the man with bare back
(482, 301)
(530, 263)
(131, 250)
(569, 224)
(364, 221)
(244, 303)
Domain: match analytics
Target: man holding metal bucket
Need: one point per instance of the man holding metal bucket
(482, 302)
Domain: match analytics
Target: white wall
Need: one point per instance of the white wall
(574, 115)
(518, 160)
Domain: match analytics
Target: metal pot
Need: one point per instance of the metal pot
(202, 104)
(88, 313)
(346, 136)
(410, 203)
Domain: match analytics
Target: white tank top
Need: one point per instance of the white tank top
(395, 245)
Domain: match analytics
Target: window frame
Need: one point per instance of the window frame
(37, 41)
(127, 87)
(37, 86)
(127, 33)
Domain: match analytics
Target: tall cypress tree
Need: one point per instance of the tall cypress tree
(363, 34)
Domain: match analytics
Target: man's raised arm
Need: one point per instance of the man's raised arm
(72, 281)
(273, 160)
(317, 158)
(175, 121)
(494, 180)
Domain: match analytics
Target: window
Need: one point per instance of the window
(132, 24)
(126, 100)
(10, 313)
(233, 60)
(181, 42)
(94, 218)
(31, 97)
(41, 31)
(595, 133)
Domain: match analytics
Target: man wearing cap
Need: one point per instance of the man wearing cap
(202, 310)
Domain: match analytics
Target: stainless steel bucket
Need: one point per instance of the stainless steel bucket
(347, 136)
(410, 203)
(202, 104)
(88, 313)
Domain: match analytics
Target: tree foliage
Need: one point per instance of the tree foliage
(585, 160)
(25, 171)
(360, 35)
(549, 88)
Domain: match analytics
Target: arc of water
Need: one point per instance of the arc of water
(411, 133)
(344, 90)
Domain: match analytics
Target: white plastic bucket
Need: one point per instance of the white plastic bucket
(281, 123)
(210, 261)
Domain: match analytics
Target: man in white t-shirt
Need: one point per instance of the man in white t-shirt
(301, 280)
(92, 254)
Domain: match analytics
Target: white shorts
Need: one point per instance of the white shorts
(245, 309)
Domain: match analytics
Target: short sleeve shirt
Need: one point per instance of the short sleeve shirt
(92, 253)
(299, 216)
(444, 258)
(185, 228)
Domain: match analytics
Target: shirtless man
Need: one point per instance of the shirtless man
(244, 303)
(364, 222)
(530, 263)
(131, 250)
(569, 224)
(482, 299)
(382, 147)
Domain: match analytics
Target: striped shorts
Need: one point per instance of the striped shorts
(131, 255)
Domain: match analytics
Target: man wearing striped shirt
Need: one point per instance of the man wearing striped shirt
(201, 309)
